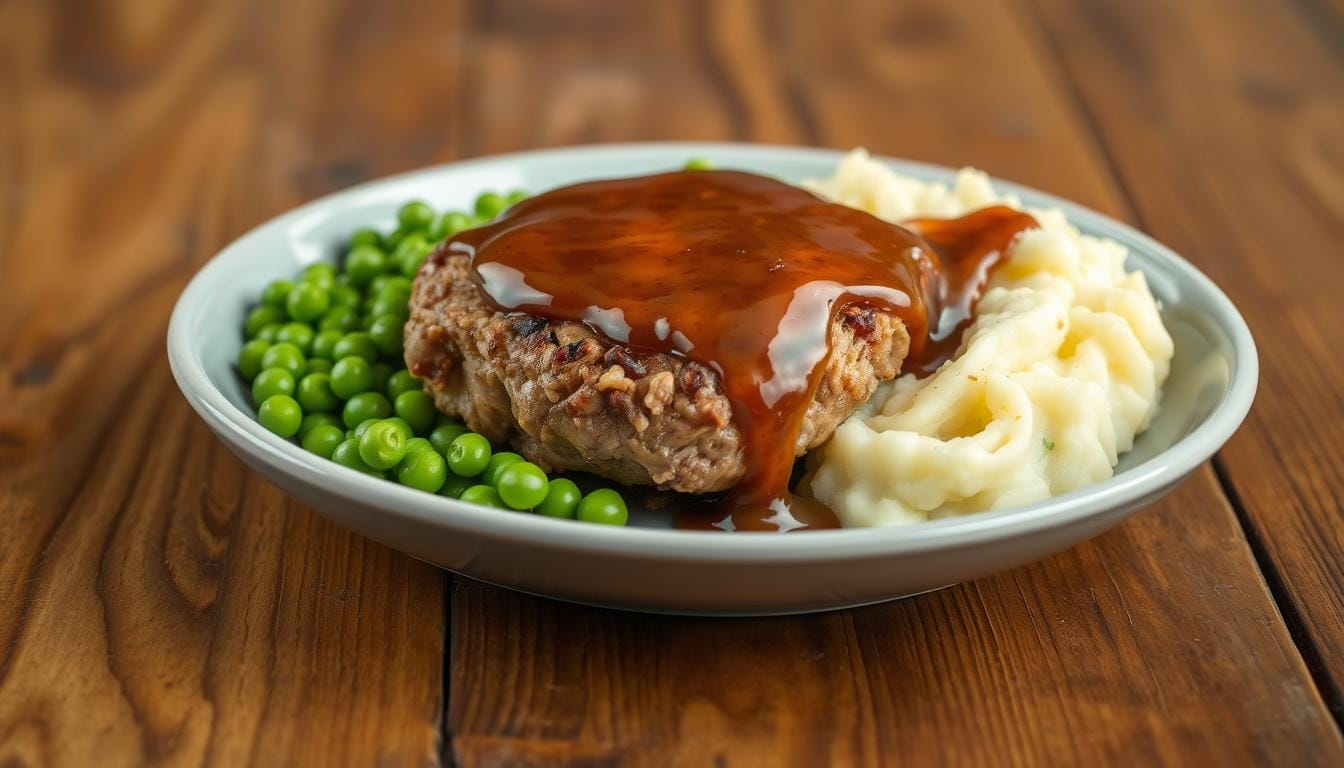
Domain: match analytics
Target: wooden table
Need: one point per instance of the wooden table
(158, 602)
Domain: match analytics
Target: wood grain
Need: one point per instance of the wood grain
(1235, 156)
(1136, 648)
(158, 603)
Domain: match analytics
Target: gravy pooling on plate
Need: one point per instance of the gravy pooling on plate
(746, 275)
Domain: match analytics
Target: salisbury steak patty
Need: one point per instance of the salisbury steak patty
(567, 398)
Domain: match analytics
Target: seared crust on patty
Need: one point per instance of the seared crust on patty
(567, 398)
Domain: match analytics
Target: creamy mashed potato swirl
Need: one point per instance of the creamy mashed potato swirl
(1062, 367)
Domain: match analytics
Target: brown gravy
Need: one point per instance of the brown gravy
(745, 275)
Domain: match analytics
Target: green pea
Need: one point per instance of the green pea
(517, 196)
(411, 253)
(268, 332)
(394, 285)
(490, 204)
(522, 485)
(363, 427)
(350, 376)
(365, 405)
(483, 495)
(455, 484)
(453, 222)
(287, 356)
(417, 408)
(401, 424)
(322, 280)
(308, 302)
(410, 266)
(345, 296)
(340, 319)
(275, 292)
(444, 435)
(363, 263)
(382, 445)
(441, 228)
(401, 381)
(280, 414)
(366, 236)
(321, 274)
(413, 241)
(698, 164)
(322, 440)
(436, 232)
(357, 344)
(562, 499)
(347, 455)
(386, 333)
(315, 393)
(312, 421)
(468, 454)
(299, 334)
(423, 469)
(603, 506)
(379, 284)
(415, 215)
(419, 444)
(249, 358)
(324, 343)
(260, 318)
(272, 381)
(389, 304)
(394, 238)
(497, 464)
(319, 365)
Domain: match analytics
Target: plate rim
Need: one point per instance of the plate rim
(1127, 489)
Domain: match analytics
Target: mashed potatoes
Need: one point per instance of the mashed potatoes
(1061, 369)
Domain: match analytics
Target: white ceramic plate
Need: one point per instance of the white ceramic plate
(646, 567)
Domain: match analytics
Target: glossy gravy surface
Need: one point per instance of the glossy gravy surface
(745, 275)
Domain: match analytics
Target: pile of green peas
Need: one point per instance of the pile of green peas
(323, 354)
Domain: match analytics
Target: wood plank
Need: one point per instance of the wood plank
(1156, 643)
(1231, 147)
(616, 86)
(158, 601)
(1144, 647)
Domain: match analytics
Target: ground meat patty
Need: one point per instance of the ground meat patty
(567, 398)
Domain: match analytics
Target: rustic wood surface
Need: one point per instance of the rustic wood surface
(1234, 156)
(160, 603)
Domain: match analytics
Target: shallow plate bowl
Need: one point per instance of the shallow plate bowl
(647, 566)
